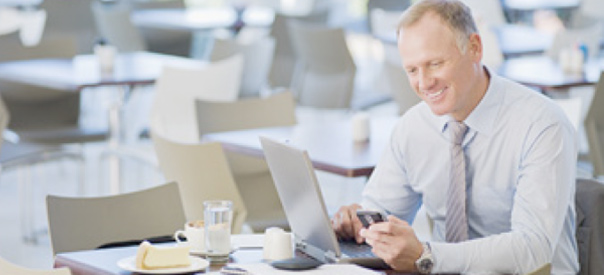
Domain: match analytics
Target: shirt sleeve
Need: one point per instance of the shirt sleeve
(544, 198)
(388, 187)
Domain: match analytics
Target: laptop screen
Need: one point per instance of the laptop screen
(301, 197)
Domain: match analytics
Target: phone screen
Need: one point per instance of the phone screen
(369, 217)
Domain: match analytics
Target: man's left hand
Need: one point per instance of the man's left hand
(395, 242)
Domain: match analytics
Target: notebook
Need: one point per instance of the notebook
(301, 197)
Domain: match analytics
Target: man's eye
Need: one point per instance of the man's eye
(435, 64)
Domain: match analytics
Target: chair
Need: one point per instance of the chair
(113, 23)
(590, 225)
(257, 58)
(544, 270)
(489, 12)
(567, 38)
(594, 128)
(398, 85)
(8, 268)
(387, 11)
(325, 72)
(284, 61)
(87, 223)
(202, 173)
(251, 174)
(171, 42)
(70, 19)
(176, 89)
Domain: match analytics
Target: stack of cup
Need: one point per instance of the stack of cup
(277, 244)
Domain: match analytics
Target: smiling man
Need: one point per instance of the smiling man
(493, 162)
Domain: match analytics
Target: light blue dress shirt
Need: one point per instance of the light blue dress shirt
(520, 171)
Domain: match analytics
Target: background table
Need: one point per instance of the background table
(329, 143)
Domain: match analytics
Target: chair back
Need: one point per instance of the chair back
(202, 173)
(70, 19)
(257, 59)
(567, 38)
(489, 12)
(594, 128)
(113, 23)
(590, 226)
(87, 223)
(273, 111)
(251, 174)
(7, 267)
(173, 109)
(544, 270)
(399, 87)
(325, 72)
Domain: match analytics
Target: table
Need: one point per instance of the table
(545, 74)
(525, 5)
(82, 72)
(328, 141)
(103, 261)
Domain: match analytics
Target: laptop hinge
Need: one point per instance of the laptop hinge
(330, 256)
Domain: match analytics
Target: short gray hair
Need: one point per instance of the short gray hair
(453, 12)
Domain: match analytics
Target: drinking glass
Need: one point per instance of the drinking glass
(218, 216)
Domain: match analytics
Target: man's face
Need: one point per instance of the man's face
(444, 77)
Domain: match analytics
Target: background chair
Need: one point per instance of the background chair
(202, 173)
(78, 25)
(171, 42)
(251, 174)
(325, 71)
(590, 226)
(594, 128)
(8, 268)
(113, 23)
(173, 108)
(257, 58)
(87, 223)
(397, 84)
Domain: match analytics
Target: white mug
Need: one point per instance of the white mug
(106, 55)
(277, 244)
(195, 234)
(360, 127)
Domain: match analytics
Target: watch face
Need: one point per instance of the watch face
(425, 265)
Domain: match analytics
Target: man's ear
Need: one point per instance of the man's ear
(475, 46)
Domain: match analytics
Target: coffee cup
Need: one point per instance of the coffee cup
(195, 233)
(277, 244)
(360, 127)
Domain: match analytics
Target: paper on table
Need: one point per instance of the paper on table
(247, 240)
(326, 269)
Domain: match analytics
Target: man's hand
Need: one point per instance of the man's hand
(395, 242)
(346, 224)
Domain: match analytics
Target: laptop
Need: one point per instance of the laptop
(301, 197)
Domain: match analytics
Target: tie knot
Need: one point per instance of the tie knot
(458, 131)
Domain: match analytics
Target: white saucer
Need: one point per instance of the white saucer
(204, 253)
(197, 264)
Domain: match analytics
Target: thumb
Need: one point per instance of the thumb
(393, 219)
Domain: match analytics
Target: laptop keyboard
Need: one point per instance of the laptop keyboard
(355, 250)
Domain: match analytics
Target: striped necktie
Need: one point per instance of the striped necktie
(456, 222)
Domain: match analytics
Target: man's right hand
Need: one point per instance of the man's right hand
(346, 224)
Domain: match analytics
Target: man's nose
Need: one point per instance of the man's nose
(426, 81)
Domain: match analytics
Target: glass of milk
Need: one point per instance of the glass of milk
(218, 216)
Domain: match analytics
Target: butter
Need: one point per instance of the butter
(152, 257)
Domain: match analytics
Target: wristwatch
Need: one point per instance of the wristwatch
(425, 262)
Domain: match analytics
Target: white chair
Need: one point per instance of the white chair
(383, 23)
(90, 222)
(489, 12)
(173, 108)
(398, 85)
(567, 38)
(113, 23)
(594, 129)
(173, 42)
(251, 174)
(325, 72)
(202, 173)
(7, 267)
(257, 59)
(284, 61)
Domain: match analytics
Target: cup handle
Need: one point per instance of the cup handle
(177, 236)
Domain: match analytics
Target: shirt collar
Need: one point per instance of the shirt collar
(482, 118)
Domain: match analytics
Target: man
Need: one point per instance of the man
(514, 168)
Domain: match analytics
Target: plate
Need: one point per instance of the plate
(204, 253)
(197, 264)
